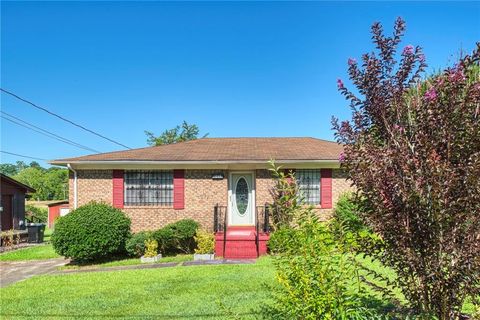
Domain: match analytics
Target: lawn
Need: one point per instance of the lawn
(127, 262)
(39, 252)
(215, 291)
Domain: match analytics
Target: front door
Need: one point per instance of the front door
(241, 199)
(7, 214)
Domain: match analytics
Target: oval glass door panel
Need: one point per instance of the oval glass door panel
(241, 195)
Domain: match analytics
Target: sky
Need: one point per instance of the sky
(236, 69)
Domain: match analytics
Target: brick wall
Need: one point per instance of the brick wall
(201, 195)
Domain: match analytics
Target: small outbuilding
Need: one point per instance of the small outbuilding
(12, 207)
(55, 210)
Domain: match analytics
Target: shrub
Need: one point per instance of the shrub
(135, 245)
(151, 248)
(91, 232)
(317, 275)
(177, 237)
(205, 242)
(347, 213)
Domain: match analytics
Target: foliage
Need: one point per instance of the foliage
(135, 245)
(285, 200)
(347, 212)
(50, 184)
(36, 214)
(181, 133)
(318, 276)
(93, 231)
(151, 248)
(412, 150)
(177, 237)
(9, 238)
(205, 242)
(317, 273)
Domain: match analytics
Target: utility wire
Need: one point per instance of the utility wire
(62, 118)
(20, 155)
(45, 132)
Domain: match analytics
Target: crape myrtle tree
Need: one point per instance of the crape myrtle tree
(412, 151)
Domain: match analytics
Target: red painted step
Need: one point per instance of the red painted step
(240, 243)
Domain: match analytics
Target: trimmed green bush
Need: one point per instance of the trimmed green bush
(177, 237)
(36, 214)
(91, 232)
(135, 246)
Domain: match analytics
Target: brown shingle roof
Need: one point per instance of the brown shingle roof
(225, 149)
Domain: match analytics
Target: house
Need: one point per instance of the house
(12, 207)
(223, 183)
(57, 209)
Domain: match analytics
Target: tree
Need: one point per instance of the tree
(8, 169)
(180, 133)
(412, 150)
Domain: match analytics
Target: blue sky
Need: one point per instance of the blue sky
(233, 68)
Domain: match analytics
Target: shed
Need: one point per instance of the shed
(55, 210)
(12, 206)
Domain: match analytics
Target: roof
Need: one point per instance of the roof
(16, 183)
(56, 203)
(223, 150)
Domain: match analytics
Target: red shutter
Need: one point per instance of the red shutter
(326, 188)
(178, 189)
(118, 189)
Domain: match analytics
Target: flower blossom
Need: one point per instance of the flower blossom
(341, 158)
(408, 50)
(352, 61)
(431, 94)
(340, 84)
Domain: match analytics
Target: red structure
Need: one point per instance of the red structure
(13, 203)
(56, 210)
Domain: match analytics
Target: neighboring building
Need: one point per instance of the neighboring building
(12, 207)
(162, 184)
(55, 210)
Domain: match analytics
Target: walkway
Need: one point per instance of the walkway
(14, 271)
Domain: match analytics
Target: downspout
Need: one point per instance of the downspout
(74, 186)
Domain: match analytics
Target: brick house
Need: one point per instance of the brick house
(223, 183)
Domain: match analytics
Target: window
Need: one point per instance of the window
(309, 185)
(149, 188)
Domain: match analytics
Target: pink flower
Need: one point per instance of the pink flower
(431, 95)
(340, 84)
(352, 61)
(456, 74)
(341, 158)
(421, 57)
(408, 50)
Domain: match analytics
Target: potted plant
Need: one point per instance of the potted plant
(205, 246)
(151, 253)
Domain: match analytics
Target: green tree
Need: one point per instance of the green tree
(181, 133)
(8, 169)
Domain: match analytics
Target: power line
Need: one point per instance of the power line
(62, 118)
(45, 132)
(20, 155)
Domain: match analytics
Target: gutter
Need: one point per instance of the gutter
(75, 202)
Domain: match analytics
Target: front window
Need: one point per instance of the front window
(149, 188)
(309, 186)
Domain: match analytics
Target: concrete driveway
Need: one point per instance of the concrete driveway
(11, 272)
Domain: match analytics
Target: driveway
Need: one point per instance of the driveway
(11, 272)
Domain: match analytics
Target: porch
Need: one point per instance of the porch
(241, 241)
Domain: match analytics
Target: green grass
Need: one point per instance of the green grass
(127, 262)
(200, 292)
(39, 252)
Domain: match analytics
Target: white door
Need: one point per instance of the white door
(242, 199)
